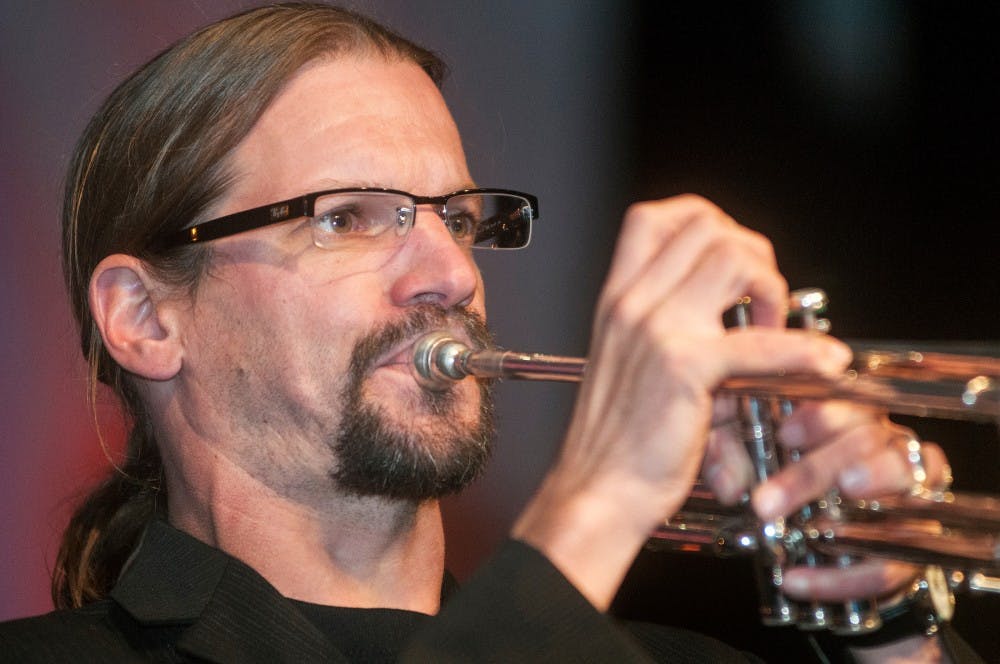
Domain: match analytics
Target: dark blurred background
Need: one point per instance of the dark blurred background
(860, 137)
(857, 135)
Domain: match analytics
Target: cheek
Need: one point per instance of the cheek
(246, 330)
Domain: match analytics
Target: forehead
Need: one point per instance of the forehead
(354, 121)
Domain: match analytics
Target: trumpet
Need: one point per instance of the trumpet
(906, 382)
(956, 532)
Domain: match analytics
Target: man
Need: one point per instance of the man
(253, 242)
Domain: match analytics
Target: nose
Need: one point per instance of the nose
(433, 267)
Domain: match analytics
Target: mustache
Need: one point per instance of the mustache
(419, 320)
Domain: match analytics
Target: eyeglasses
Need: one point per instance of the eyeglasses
(369, 218)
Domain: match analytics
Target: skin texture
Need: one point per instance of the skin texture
(245, 380)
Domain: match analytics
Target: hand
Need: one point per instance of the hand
(858, 451)
(658, 352)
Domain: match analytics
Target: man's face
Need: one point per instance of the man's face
(297, 359)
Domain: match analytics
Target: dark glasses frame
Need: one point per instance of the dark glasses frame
(304, 206)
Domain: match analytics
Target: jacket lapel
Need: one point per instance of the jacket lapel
(232, 614)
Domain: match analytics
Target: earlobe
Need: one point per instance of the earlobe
(136, 328)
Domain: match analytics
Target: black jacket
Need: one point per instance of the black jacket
(180, 600)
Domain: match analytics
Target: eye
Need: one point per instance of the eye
(461, 225)
(361, 219)
(342, 221)
(334, 222)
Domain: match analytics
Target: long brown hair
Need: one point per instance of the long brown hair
(152, 160)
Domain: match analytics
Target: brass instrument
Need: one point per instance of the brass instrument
(907, 382)
(959, 532)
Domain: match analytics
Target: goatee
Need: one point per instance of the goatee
(376, 457)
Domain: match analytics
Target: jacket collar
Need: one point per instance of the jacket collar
(226, 610)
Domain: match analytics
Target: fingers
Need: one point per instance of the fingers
(659, 351)
(727, 469)
(865, 578)
(888, 472)
(761, 351)
(815, 423)
(857, 450)
(647, 229)
(687, 261)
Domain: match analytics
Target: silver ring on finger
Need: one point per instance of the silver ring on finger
(944, 484)
(909, 445)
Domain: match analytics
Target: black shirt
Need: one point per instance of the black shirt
(365, 635)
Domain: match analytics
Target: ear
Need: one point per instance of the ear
(137, 326)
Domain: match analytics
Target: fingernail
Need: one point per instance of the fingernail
(854, 479)
(768, 501)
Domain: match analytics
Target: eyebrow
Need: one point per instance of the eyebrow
(331, 183)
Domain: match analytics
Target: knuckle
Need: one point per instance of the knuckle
(697, 202)
(640, 214)
(684, 207)
(709, 221)
(625, 312)
(761, 244)
(727, 256)
(634, 211)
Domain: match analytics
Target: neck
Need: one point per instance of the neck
(338, 550)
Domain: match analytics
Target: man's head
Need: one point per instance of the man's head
(289, 357)
(154, 157)
(257, 330)
(260, 356)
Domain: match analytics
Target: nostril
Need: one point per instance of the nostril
(428, 298)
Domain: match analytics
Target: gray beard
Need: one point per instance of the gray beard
(376, 458)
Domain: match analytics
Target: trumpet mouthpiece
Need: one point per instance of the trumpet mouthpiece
(439, 361)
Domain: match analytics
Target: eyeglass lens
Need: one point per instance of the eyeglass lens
(371, 219)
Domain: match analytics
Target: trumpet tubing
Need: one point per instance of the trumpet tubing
(930, 384)
(958, 531)
(913, 382)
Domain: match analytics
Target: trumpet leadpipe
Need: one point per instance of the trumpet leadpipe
(907, 382)
(440, 360)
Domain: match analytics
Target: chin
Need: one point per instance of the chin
(416, 446)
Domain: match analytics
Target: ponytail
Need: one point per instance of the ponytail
(105, 529)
